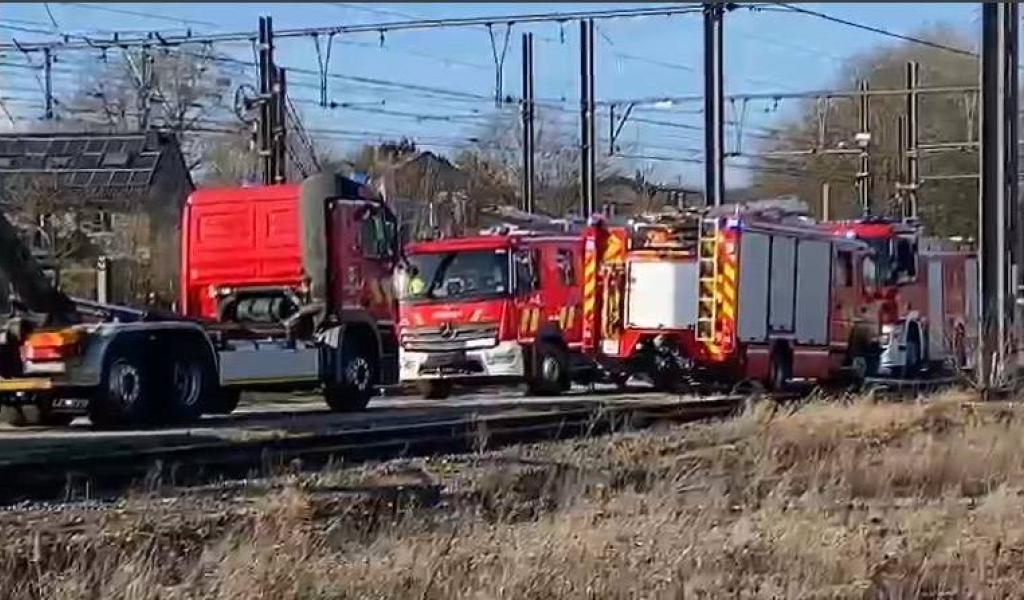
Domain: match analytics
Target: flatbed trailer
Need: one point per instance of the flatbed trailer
(317, 320)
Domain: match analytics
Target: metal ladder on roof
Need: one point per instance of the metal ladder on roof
(707, 272)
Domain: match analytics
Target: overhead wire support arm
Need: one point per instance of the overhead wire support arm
(615, 125)
(499, 61)
(323, 61)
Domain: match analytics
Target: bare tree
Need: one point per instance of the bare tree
(182, 90)
(494, 164)
(948, 207)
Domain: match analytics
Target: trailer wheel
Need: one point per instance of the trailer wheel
(550, 373)
(127, 391)
(38, 414)
(434, 389)
(354, 387)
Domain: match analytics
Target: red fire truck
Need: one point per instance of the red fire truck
(732, 296)
(282, 286)
(503, 306)
(927, 293)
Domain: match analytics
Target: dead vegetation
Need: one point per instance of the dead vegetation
(847, 500)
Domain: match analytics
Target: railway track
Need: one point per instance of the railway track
(108, 470)
(81, 464)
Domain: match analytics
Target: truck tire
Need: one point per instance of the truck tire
(129, 390)
(223, 401)
(665, 371)
(780, 370)
(354, 386)
(434, 389)
(38, 414)
(863, 362)
(912, 356)
(191, 382)
(549, 372)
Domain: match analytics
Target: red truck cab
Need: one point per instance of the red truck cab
(489, 309)
(306, 267)
(926, 292)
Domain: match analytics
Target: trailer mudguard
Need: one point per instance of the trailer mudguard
(86, 370)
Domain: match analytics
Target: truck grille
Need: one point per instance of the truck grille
(431, 338)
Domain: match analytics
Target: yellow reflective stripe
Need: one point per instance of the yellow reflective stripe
(729, 272)
(524, 322)
(536, 319)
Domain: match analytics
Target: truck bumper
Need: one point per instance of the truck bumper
(502, 361)
(31, 390)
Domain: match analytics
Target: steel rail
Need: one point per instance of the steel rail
(70, 477)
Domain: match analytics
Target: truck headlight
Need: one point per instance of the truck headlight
(482, 343)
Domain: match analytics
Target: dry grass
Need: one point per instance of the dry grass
(847, 500)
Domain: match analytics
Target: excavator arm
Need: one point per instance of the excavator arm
(33, 290)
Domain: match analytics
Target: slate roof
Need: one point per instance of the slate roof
(86, 160)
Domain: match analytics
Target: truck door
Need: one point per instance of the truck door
(361, 246)
(528, 300)
(562, 294)
(845, 296)
(377, 238)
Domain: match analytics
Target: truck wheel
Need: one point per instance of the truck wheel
(434, 389)
(862, 361)
(191, 381)
(912, 356)
(352, 392)
(781, 371)
(127, 391)
(223, 401)
(550, 373)
(38, 414)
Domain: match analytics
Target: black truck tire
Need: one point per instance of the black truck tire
(912, 357)
(223, 401)
(780, 370)
(549, 371)
(191, 382)
(129, 390)
(354, 385)
(434, 389)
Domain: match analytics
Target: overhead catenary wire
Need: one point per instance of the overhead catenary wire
(384, 27)
(878, 30)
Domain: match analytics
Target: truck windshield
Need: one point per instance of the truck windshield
(457, 275)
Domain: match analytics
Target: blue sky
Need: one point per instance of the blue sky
(636, 58)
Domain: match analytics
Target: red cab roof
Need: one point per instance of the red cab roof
(482, 242)
(239, 194)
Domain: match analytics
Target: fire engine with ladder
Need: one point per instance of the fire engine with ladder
(755, 294)
(733, 295)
